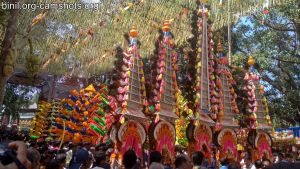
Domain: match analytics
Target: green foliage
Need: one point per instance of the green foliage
(16, 98)
(273, 40)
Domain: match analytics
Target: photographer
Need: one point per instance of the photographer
(19, 158)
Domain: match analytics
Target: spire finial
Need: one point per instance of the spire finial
(251, 60)
(133, 32)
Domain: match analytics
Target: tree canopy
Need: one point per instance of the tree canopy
(272, 37)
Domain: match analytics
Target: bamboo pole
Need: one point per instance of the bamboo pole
(229, 32)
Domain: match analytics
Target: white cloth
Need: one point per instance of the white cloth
(155, 165)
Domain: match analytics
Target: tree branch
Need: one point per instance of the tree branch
(287, 61)
(272, 26)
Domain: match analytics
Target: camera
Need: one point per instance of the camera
(6, 156)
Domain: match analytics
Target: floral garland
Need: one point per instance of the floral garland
(214, 93)
(198, 68)
(123, 89)
(264, 100)
(127, 64)
(250, 87)
(219, 86)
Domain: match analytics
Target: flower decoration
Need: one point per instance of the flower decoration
(40, 122)
(84, 114)
(165, 52)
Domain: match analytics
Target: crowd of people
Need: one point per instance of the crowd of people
(52, 155)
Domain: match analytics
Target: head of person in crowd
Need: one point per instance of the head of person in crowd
(289, 157)
(183, 162)
(155, 156)
(129, 159)
(233, 165)
(100, 158)
(155, 165)
(80, 159)
(61, 158)
(34, 157)
(266, 162)
(197, 158)
(284, 166)
(53, 164)
(224, 162)
(248, 161)
(258, 164)
(280, 157)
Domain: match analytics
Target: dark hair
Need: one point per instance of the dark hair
(280, 155)
(258, 164)
(233, 165)
(288, 155)
(155, 156)
(129, 159)
(100, 157)
(284, 166)
(268, 161)
(197, 158)
(52, 164)
(180, 160)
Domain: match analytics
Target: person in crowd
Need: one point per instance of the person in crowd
(61, 158)
(281, 158)
(129, 159)
(80, 159)
(101, 162)
(20, 161)
(266, 162)
(284, 165)
(198, 158)
(69, 153)
(213, 161)
(224, 163)
(289, 158)
(248, 163)
(53, 164)
(155, 160)
(233, 165)
(34, 157)
(258, 164)
(183, 162)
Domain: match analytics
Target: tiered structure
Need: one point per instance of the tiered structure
(228, 98)
(199, 132)
(84, 116)
(258, 114)
(165, 92)
(227, 107)
(41, 122)
(131, 97)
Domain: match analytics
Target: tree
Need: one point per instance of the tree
(272, 37)
(17, 97)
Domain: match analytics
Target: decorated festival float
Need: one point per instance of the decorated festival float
(225, 106)
(41, 122)
(84, 116)
(215, 100)
(199, 131)
(129, 88)
(163, 103)
(284, 139)
(257, 114)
